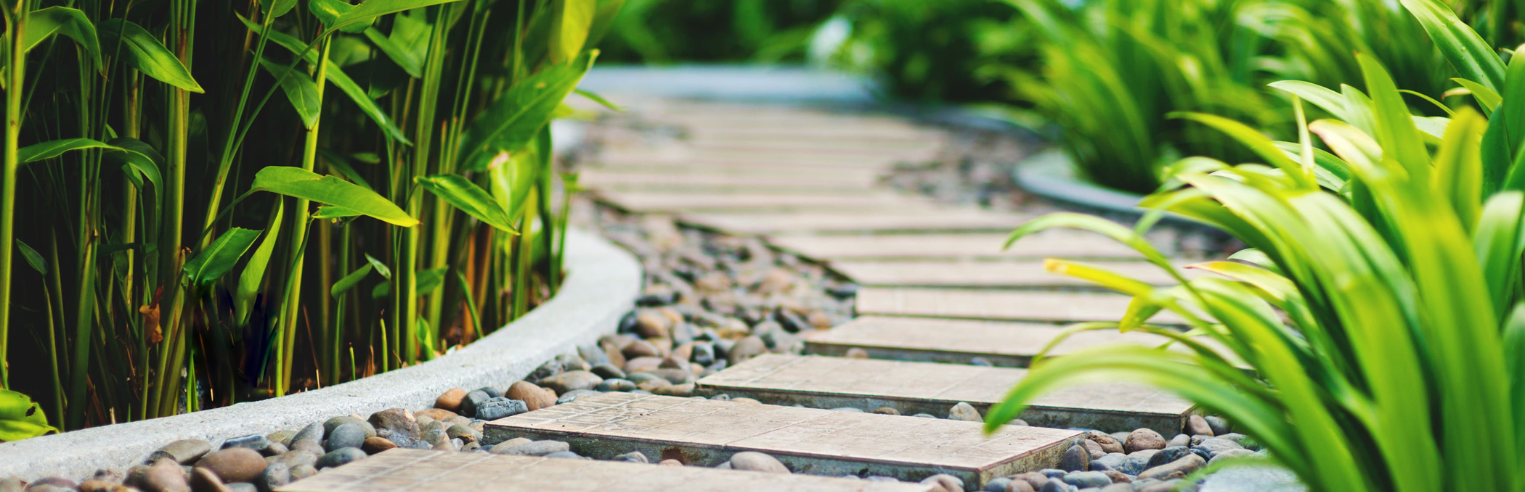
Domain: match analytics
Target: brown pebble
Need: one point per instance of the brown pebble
(819, 319)
(234, 464)
(203, 480)
(373, 445)
(167, 476)
(1117, 476)
(100, 486)
(640, 348)
(533, 396)
(1196, 425)
(670, 463)
(451, 400)
(1019, 486)
(1142, 439)
(642, 364)
(1033, 479)
(1093, 449)
(652, 325)
(439, 414)
(886, 411)
(857, 353)
(1108, 443)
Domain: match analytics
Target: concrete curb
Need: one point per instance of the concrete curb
(602, 284)
(1051, 175)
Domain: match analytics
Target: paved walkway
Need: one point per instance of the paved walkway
(945, 317)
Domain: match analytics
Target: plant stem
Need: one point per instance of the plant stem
(8, 178)
(299, 236)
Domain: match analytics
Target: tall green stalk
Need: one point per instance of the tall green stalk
(13, 110)
(293, 307)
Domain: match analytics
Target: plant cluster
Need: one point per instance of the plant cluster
(1372, 335)
(222, 201)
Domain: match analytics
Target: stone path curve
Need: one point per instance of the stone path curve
(944, 317)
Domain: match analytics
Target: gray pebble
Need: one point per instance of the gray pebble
(311, 433)
(302, 471)
(1055, 485)
(536, 448)
(997, 484)
(498, 408)
(754, 461)
(1087, 479)
(347, 435)
(966, 412)
(564, 455)
(340, 457)
(331, 424)
(241, 487)
(252, 441)
(1076, 458)
(575, 394)
(274, 477)
(615, 384)
(633, 457)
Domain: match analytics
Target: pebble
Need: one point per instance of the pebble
(670, 462)
(464, 433)
(857, 353)
(1034, 480)
(312, 433)
(1076, 458)
(633, 457)
(886, 411)
(1118, 487)
(1085, 479)
(302, 471)
(1179, 440)
(296, 458)
(1136, 461)
(1197, 425)
(746, 348)
(184, 451)
(396, 421)
(1017, 486)
(241, 487)
(608, 371)
(164, 476)
(346, 435)
(1117, 476)
(203, 480)
(1173, 485)
(1167, 455)
(533, 396)
(639, 349)
(500, 407)
(965, 412)
(999, 484)
(1230, 454)
(274, 477)
(340, 457)
(1054, 485)
(252, 441)
(1214, 446)
(944, 482)
(682, 390)
(1142, 439)
(571, 380)
(532, 448)
(615, 384)
(99, 486)
(1093, 449)
(1184, 466)
(473, 400)
(754, 461)
(370, 431)
(235, 464)
(1218, 425)
(373, 445)
(433, 414)
(650, 324)
(451, 400)
(548, 369)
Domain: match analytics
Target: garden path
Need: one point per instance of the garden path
(946, 315)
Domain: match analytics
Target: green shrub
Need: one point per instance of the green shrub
(178, 171)
(1378, 304)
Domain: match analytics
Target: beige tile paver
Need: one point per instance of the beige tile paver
(644, 202)
(421, 470)
(925, 387)
(1062, 243)
(959, 341)
(990, 273)
(928, 218)
(707, 432)
(1042, 306)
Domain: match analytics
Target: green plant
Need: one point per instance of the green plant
(123, 145)
(20, 418)
(1378, 304)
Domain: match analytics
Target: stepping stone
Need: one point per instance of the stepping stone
(957, 341)
(673, 202)
(929, 218)
(1008, 305)
(683, 155)
(421, 470)
(717, 182)
(924, 387)
(807, 440)
(1020, 273)
(1057, 242)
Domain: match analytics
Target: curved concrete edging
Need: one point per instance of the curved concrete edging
(1051, 175)
(602, 284)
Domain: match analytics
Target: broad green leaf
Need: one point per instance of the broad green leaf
(140, 157)
(143, 52)
(350, 281)
(369, 10)
(338, 78)
(513, 178)
(399, 55)
(299, 89)
(428, 280)
(1468, 53)
(512, 121)
(1400, 140)
(1496, 240)
(254, 272)
(1514, 352)
(1318, 95)
(329, 11)
(381, 290)
(1459, 167)
(42, 24)
(469, 198)
(220, 256)
(32, 258)
(21, 418)
(1257, 142)
(301, 183)
(573, 20)
(1487, 98)
(280, 7)
(338, 163)
(603, 19)
(381, 268)
(55, 148)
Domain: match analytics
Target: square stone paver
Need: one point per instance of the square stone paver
(618, 179)
(1007, 305)
(646, 202)
(990, 273)
(422, 470)
(925, 387)
(1053, 243)
(958, 341)
(807, 440)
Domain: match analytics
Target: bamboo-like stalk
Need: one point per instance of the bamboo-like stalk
(16, 27)
(293, 304)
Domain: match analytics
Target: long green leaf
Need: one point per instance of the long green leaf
(55, 148)
(349, 281)
(143, 52)
(300, 90)
(573, 20)
(42, 24)
(469, 198)
(254, 272)
(399, 55)
(1463, 47)
(301, 183)
(512, 121)
(368, 11)
(220, 256)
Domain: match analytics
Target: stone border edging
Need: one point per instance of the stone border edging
(601, 285)
(1051, 174)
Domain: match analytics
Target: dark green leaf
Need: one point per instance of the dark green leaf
(220, 257)
(254, 272)
(349, 281)
(514, 119)
(140, 157)
(42, 24)
(281, 7)
(32, 258)
(329, 11)
(299, 89)
(381, 268)
(428, 280)
(55, 148)
(369, 10)
(399, 55)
